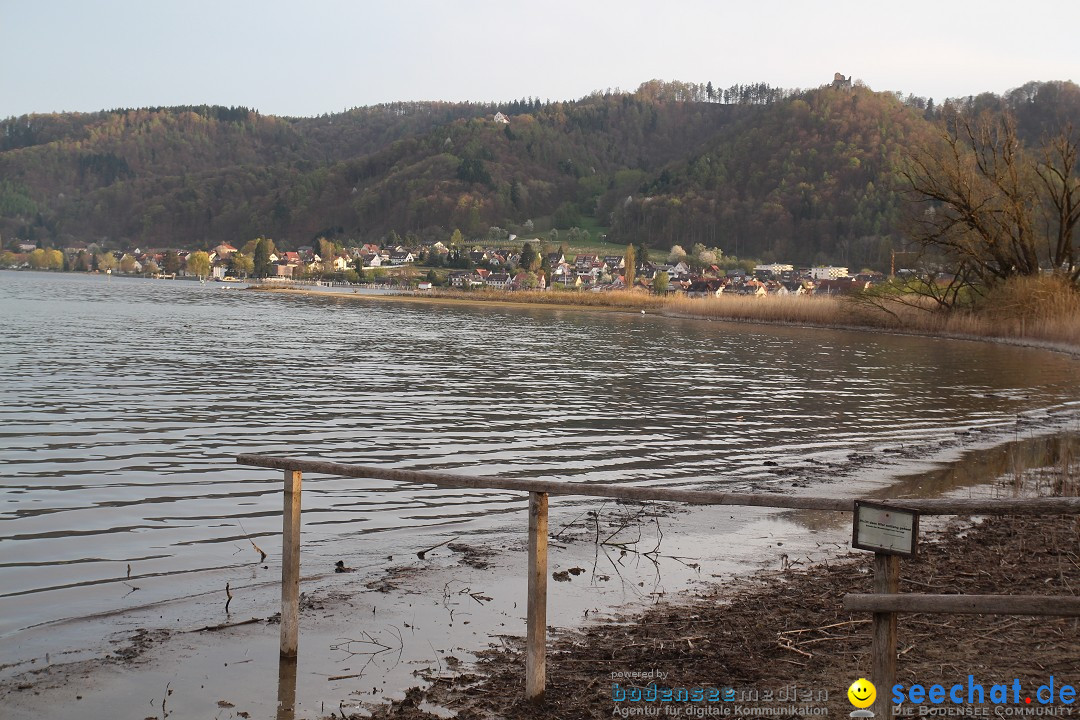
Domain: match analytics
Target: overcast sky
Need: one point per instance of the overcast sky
(309, 58)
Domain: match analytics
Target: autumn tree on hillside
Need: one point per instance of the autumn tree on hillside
(46, 259)
(994, 208)
(198, 264)
(242, 265)
(106, 262)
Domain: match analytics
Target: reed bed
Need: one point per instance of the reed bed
(1042, 310)
(1039, 309)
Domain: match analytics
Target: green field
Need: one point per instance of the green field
(594, 244)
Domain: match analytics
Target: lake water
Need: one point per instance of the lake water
(124, 403)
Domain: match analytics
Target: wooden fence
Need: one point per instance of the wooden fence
(884, 603)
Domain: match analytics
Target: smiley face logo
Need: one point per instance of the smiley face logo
(862, 693)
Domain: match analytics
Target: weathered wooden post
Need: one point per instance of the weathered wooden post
(290, 565)
(890, 532)
(536, 623)
(883, 644)
(286, 693)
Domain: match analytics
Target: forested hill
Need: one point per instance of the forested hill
(753, 170)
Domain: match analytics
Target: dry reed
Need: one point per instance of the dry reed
(1030, 309)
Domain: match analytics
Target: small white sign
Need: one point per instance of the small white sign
(885, 529)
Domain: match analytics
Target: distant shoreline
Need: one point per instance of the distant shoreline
(634, 304)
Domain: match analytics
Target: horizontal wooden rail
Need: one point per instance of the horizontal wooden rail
(1034, 506)
(884, 605)
(1057, 605)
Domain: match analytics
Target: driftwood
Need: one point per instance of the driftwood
(1055, 605)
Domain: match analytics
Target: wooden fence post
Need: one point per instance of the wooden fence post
(286, 693)
(290, 565)
(536, 623)
(883, 646)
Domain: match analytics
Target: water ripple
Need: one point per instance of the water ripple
(126, 401)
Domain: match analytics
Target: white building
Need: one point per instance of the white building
(775, 268)
(828, 272)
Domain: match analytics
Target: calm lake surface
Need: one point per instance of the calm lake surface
(124, 403)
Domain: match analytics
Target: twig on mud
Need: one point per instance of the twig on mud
(476, 595)
(168, 692)
(133, 589)
(626, 521)
(262, 554)
(996, 630)
(345, 677)
(422, 553)
(223, 626)
(228, 594)
(568, 525)
(823, 627)
(346, 645)
(791, 647)
(438, 660)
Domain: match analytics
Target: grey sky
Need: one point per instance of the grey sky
(307, 58)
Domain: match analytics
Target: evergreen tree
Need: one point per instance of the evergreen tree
(262, 258)
(629, 266)
(530, 261)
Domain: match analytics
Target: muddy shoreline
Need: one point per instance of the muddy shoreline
(782, 630)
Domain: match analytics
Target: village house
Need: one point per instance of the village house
(705, 288)
(828, 272)
(567, 280)
(560, 269)
(840, 286)
(498, 281)
(519, 282)
(466, 279)
(764, 272)
(585, 262)
(401, 257)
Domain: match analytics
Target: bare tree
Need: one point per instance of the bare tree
(993, 207)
